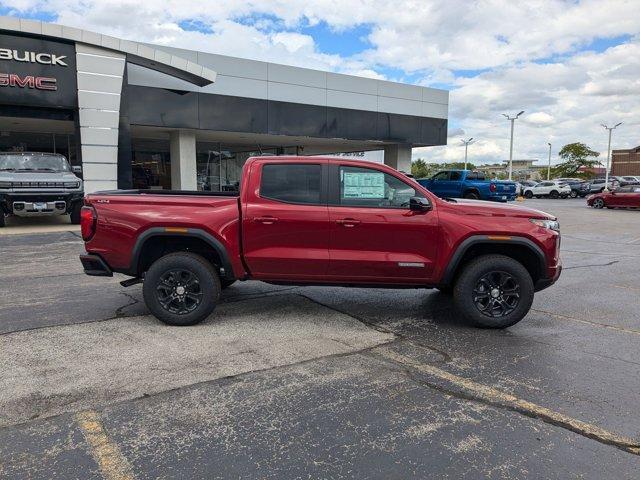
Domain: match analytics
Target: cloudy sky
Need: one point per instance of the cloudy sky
(571, 65)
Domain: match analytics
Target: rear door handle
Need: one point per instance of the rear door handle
(265, 220)
(348, 222)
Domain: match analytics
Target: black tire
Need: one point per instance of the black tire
(515, 294)
(554, 194)
(224, 283)
(75, 213)
(528, 194)
(598, 203)
(471, 196)
(573, 194)
(196, 276)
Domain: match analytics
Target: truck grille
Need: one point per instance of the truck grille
(44, 185)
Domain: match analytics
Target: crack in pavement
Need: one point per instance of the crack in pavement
(446, 357)
(588, 322)
(466, 389)
(593, 265)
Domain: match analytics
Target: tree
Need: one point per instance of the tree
(420, 168)
(576, 156)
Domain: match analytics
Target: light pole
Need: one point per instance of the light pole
(549, 167)
(512, 120)
(606, 172)
(466, 146)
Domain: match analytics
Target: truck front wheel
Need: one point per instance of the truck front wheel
(493, 291)
(181, 289)
(75, 213)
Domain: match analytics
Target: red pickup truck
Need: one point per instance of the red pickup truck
(321, 221)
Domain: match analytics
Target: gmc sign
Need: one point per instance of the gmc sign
(29, 81)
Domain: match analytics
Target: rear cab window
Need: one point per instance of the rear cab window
(299, 183)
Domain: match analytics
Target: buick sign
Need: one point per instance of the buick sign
(37, 72)
(33, 57)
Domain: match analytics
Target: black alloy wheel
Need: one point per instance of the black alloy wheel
(178, 291)
(573, 194)
(496, 294)
(493, 291)
(181, 288)
(528, 194)
(554, 194)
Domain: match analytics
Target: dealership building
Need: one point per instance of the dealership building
(137, 115)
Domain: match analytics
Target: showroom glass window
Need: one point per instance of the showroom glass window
(366, 187)
(291, 183)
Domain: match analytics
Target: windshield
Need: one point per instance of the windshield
(27, 163)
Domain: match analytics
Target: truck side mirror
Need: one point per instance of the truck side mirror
(76, 169)
(419, 204)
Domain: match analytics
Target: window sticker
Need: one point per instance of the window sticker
(363, 185)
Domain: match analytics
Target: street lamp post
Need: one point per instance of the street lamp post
(549, 167)
(606, 172)
(512, 120)
(466, 146)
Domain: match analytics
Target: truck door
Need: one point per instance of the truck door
(374, 236)
(285, 226)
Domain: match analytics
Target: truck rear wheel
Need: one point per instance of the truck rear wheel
(181, 289)
(471, 195)
(494, 291)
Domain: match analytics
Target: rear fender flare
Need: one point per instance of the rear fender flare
(212, 241)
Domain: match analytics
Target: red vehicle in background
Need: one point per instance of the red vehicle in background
(321, 221)
(621, 197)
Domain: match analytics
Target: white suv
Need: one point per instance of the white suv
(552, 189)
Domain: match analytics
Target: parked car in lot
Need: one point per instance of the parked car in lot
(321, 221)
(597, 184)
(579, 187)
(551, 188)
(469, 184)
(628, 180)
(621, 197)
(34, 184)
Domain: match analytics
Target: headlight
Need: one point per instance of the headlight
(550, 224)
(71, 184)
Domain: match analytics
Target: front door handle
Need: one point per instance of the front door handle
(348, 222)
(265, 220)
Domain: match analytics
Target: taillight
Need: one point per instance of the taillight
(492, 187)
(88, 219)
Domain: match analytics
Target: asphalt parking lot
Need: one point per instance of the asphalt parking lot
(285, 382)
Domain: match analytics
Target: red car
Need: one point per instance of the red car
(321, 221)
(621, 197)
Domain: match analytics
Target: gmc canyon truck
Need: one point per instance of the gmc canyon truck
(34, 184)
(469, 184)
(321, 221)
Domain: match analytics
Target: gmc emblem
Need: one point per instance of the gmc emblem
(39, 83)
(33, 57)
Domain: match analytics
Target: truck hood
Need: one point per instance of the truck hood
(492, 209)
(37, 176)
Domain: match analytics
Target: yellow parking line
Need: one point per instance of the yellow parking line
(496, 397)
(112, 463)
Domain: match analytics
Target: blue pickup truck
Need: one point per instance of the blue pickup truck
(469, 184)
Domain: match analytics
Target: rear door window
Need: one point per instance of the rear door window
(292, 183)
